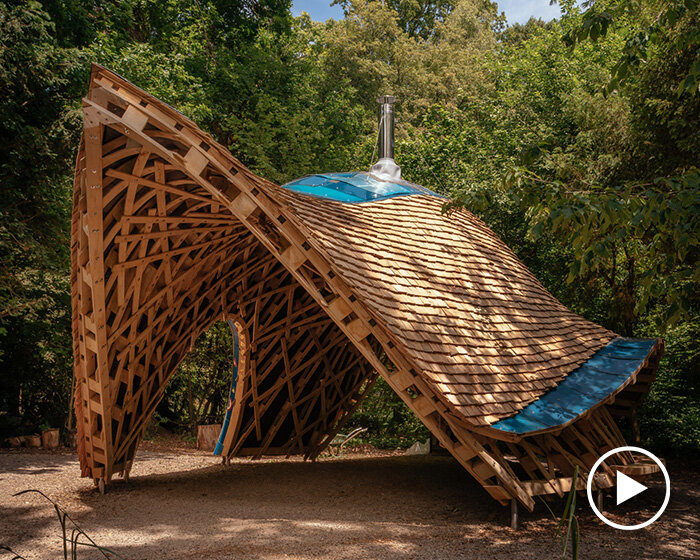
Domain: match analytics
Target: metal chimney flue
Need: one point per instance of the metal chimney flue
(386, 126)
(386, 168)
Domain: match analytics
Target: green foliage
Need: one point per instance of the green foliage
(389, 421)
(598, 189)
(670, 415)
(662, 28)
(641, 240)
(198, 391)
(38, 131)
(605, 182)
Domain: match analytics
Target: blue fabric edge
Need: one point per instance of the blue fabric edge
(555, 408)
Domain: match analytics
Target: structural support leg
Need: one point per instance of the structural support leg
(514, 517)
(599, 500)
(635, 428)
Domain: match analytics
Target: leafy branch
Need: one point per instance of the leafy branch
(597, 22)
(654, 228)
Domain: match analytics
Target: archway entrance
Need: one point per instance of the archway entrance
(198, 392)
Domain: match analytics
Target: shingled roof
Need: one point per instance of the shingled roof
(171, 233)
(472, 317)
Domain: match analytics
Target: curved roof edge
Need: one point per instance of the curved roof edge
(594, 383)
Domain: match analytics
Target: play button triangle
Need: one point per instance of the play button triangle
(627, 487)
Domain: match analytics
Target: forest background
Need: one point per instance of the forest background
(576, 140)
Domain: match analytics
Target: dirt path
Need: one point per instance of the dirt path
(187, 505)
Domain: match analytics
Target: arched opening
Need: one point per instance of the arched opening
(200, 391)
(204, 390)
(278, 376)
(297, 377)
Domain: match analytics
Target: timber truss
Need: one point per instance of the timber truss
(170, 234)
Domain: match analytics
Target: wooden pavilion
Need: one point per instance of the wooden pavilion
(171, 233)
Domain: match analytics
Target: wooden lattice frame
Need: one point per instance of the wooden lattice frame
(171, 233)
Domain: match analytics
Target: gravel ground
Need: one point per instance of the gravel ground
(185, 504)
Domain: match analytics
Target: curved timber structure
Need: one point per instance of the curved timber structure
(332, 281)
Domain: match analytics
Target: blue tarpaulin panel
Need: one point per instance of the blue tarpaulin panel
(353, 187)
(593, 381)
(232, 393)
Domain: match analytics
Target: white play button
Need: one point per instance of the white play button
(627, 487)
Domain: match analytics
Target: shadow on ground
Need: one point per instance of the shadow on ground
(369, 507)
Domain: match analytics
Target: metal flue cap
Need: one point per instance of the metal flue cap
(386, 167)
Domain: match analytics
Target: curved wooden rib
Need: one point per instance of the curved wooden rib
(170, 234)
